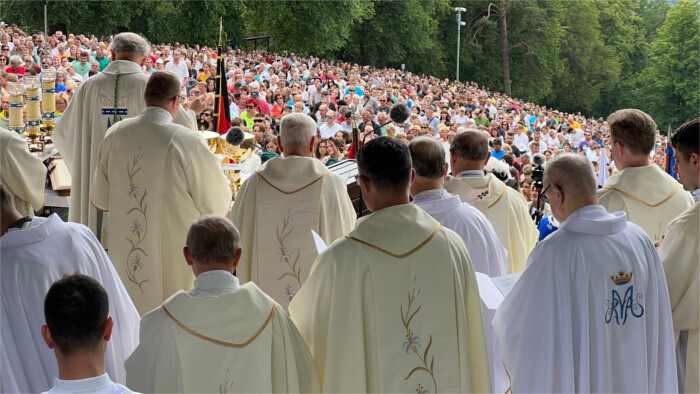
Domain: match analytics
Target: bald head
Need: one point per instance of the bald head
(427, 157)
(572, 173)
(471, 145)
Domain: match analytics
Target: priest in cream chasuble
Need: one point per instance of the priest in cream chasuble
(680, 256)
(219, 336)
(155, 177)
(485, 250)
(505, 208)
(394, 305)
(649, 197)
(279, 205)
(103, 100)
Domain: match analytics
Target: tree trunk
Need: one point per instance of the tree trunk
(505, 54)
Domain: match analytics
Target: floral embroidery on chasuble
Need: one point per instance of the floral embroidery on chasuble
(136, 187)
(284, 244)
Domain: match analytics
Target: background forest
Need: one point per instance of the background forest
(574, 55)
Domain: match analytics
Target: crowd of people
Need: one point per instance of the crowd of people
(472, 181)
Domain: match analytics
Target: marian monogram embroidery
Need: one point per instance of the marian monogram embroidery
(139, 228)
(621, 307)
(285, 257)
(412, 343)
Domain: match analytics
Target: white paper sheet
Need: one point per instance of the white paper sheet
(494, 290)
(505, 283)
(488, 291)
(320, 243)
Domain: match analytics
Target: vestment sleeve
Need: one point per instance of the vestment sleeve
(99, 195)
(206, 183)
(154, 367)
(22, 173)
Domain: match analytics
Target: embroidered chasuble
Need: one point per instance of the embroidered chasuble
(505, 208)
(98, 104)
(485, 251)
(590, 313)
(31, 260)
(275, 211)
(680, 255)
(155, 178)
(241, 342)
(22, 174)
(650, 198)
(394, 307)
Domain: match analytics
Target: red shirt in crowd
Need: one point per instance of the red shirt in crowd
(19, 71)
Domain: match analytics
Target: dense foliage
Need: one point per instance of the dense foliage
(575, 55)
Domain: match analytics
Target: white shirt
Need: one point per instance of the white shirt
(179, 69)
(98, 384)
(214, 283)
(327, 132)
(471, 173)
(521, 141)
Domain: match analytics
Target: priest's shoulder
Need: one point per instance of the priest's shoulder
(157, 315)
(690, 216)
(342, 254)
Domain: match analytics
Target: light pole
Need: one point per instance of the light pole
(459, 11)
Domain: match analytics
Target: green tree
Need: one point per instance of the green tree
(589, 66)
(671, 87)
(535, 34)
(400, 32)
(306, 27)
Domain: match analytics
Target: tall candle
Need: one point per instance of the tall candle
(48, 102)
(33, 111)
(16, 122)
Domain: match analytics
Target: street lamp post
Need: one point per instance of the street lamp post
(459, 11)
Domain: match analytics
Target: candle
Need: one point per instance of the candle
(33, 112)
(16, 121)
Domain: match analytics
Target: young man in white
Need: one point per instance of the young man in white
(34, 253)
(78, 328)
(219, 335)
(680, 252)
(591, 312)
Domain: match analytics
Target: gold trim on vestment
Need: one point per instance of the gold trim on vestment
(292, 192)
(398, 256)
(499, 197)
(644, 202)
(510, 382)
(218, 342)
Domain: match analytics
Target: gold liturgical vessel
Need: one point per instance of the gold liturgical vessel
(231, 157)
